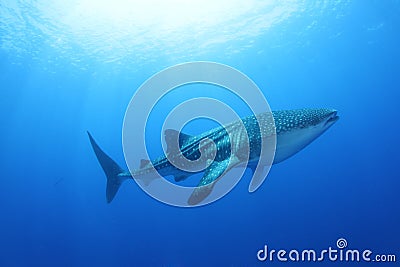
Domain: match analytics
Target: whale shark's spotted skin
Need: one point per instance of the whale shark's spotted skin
(294, 130)
(288, 120)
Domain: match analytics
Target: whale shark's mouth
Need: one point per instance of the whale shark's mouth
(332, 118)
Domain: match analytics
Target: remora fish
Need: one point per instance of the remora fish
(294, 129)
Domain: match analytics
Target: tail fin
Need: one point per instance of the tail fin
(110, 168)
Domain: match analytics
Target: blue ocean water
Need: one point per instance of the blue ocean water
(68, 69)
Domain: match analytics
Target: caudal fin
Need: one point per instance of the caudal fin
(111, 169)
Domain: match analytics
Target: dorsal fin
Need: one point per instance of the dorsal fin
(171, 135)
(144, 162)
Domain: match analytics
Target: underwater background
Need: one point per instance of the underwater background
(66, 68)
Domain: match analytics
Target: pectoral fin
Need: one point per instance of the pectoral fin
(212, 174)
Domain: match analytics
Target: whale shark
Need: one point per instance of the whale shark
(223, 148)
